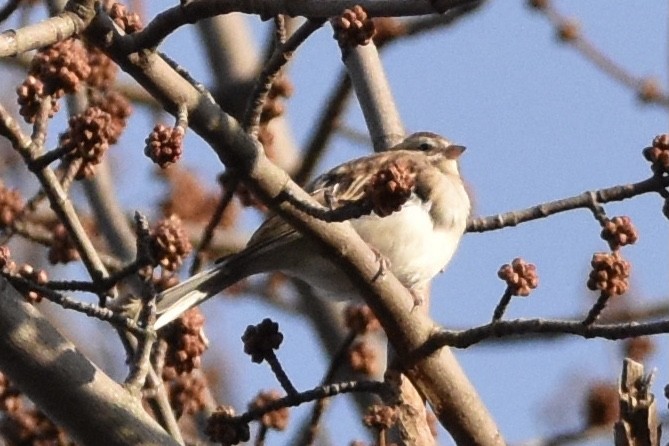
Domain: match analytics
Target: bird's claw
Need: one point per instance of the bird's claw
(384, 264)
(417, 298)
(330, 199)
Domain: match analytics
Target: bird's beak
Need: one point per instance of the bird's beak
(454, 151)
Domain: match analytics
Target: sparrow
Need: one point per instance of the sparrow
(416, 236)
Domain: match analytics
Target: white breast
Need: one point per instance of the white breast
(407, 238)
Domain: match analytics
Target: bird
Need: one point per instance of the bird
(417, 218)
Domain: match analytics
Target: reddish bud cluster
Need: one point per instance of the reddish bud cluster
(363, 358)
(282, 87)
(187, 393)
(387, 28)
(360, 319)
(11, 205)
(380, 417)
(88, 138)
(610, 273)
(55, 70)
(165, 281)
(568, 31)
(103, 69)
(164, 145)
(649, 90)
(31, 427)
(62, 249)
(30, 94)
(658, 154)
(276, 419)
(618, 232)
(10, 396)
(37, 276)
(169, 243)
(391, 187)
(638, 349)
(353, 27)
(25, 271)
(602, 406)
(261, 339)
(520, 277)
(223, 428)
(62, 66)
(186, 343)
(273, 106)
(538, 4)
(119, 109)
(129, 22)
(191, 201)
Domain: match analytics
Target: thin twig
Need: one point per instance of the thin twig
(280, 374)
(71, 168)
(317, 393)
(323, 129)
(280, 29)
(104, 314)
(501, 306)
(347, 211)
(521, 327)
(598, 210)
(58, 199)
(280, 57)
(262, 434)
(229, 186)
(597, 309)
(101, 285)
(584, 200)
(49, 157)
(602, 61)
(311, 431)
(147, 316)
(40, 126)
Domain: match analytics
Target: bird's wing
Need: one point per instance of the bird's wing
(341, 185)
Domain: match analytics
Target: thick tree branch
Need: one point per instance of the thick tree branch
(46, 32)
(62, 381)
(371, 87)
(169, 20)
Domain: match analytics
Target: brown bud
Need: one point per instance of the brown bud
(276, 419)
(520, 277)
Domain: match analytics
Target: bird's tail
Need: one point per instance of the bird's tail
(173, 302)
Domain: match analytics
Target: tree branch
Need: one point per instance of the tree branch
(62, 381)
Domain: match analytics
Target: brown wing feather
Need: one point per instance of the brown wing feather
(346, 183)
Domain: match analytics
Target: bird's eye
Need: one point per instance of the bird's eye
(424, 147)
